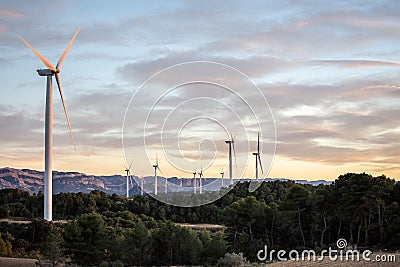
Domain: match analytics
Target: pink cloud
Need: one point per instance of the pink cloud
(10, 13)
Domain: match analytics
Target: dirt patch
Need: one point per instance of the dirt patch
(16, 262)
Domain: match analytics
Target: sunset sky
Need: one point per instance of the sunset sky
(330, 72)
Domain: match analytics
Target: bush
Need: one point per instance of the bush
(232, 260)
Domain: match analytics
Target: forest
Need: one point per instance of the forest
(101, 229)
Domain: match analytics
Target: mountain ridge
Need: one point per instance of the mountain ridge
(32, 181)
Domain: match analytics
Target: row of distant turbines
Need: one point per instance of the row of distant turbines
(51, 71)
(197, 182)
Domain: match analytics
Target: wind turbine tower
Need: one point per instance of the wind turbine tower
(155, 166)
(231, 144)
(258, 157)
(200, 180)
(141, 185)
(48, 135)
(194, 181)
(127, 170)
(222, 178)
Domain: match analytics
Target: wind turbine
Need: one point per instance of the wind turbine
(166, 186)
(48, 135)
(222, 178)
(141, 185)
(231, 144)
(201, 182)
(127, 170)
(194, 181)
(258, 157)
(155, 166)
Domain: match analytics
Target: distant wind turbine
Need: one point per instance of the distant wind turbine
(155, 166)
(231, 144)
(141, 185)
(166, 185)
(127, 170)
(222, 178)
(258, 157)
(201, 182)
(48, 153)
(194, 181)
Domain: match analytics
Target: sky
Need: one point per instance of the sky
(319, 80)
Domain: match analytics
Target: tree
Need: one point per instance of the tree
(245, 215)
(86, 239)
(51, 247)
(5, 247)
(135, 245)
(215, 249)
(175, 245)
(293, 205)
(323, 204)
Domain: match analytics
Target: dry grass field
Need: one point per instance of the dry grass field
(326, 262)
(14, 262)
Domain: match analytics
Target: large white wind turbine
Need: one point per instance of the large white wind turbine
(231, 144)
(48, 143)
(258, 157)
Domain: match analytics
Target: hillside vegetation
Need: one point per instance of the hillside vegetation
(143, 231)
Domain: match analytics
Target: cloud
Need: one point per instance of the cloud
(354, 63)
(10, 13)
(328, 71)
(19, 129)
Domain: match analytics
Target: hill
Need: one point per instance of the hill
(32, 182)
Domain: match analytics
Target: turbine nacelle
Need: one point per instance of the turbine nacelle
(46, 72)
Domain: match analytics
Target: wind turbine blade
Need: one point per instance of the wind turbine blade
(259, 161)
(130, 165)
(44, 61)
(159, 169)
(64, 54)
(65, 108)
(258, 143)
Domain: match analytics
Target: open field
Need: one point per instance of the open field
(26, 221)
(199, 226)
